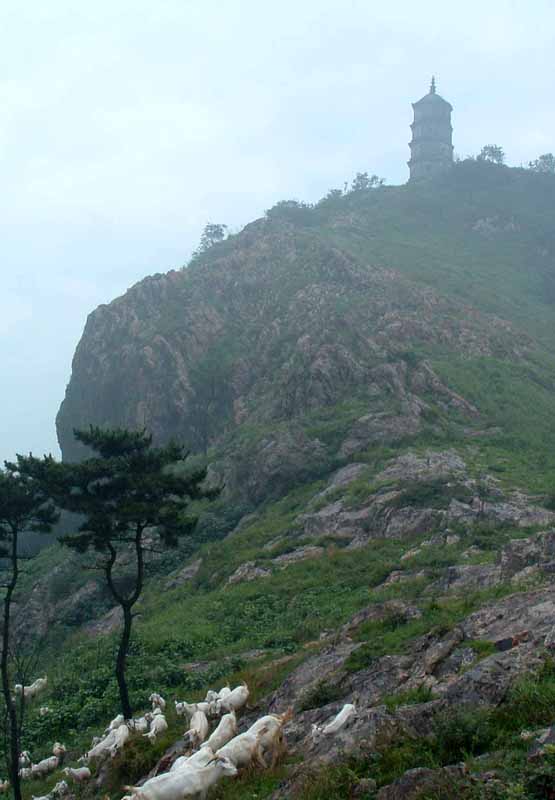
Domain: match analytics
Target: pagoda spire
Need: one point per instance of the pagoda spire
(433, 85)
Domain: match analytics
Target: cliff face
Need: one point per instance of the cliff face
(282, 319)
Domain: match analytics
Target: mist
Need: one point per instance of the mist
(126, 127)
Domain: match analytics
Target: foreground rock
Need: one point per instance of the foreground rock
(448, 665)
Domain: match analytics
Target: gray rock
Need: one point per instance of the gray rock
(415, 782)
(300, 554)
(365, 788)
(346, 475)
(382, 428)
(106, 624)
(185, 575)
(377, 612)
(433, 465)
(248, 571)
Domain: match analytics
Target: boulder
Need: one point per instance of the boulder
(421, 782)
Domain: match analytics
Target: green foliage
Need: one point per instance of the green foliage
(250, 785)
(432, 494)
(411, 697)
(394, 634)
(212, 234)
(492, 153)
(544, 164)
(291, 211)
(128, 495)
(361, 182)
(320, 694)
(482, 647)
(24, 506)
(333, 782)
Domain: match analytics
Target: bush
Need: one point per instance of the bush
(411, 697)
(320, 695)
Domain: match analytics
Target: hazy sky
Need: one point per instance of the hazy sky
(126, 125)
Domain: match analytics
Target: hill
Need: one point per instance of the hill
(371, 380)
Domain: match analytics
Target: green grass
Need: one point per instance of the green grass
(410, 697)
(250, 785)
(322, 693)
(394, 635)
(481, 647)
(520, 402)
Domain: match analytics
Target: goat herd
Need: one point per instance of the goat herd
(209, 755)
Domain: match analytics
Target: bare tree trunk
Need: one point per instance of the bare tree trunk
(126, 709)
(126, 604)
(13, 735)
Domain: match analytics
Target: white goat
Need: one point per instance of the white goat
(45, 767)
(272, 737)
(141, 724)
(199, 759)
(115, 723)
(198, 729)
(212, 696)
(233, 701)
(339, 721)
(58, 750)
(122, 734)
(157, 726)
(102, 748)
(33, 690)
(79, 775)
(157, 701)
(244, 750)
(226, 730)
(188, 709)
(184, 783)
(25, 759)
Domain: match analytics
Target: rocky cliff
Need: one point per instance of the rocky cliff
(293, 316)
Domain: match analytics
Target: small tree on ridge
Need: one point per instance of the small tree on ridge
(492, 153)
(544, 164)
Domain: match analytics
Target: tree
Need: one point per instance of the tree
(131, 498)
(212, 234)
(293, 211)
(24, 506)
(545, 164)
(492, 153)
(361, 182)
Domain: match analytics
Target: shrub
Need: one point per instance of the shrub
(411, 697)
(320, 694)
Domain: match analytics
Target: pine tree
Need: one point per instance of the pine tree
(132, 499)
(24, 506)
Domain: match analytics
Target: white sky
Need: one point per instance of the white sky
(126, 125)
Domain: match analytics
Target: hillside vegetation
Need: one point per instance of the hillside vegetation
(371, 381)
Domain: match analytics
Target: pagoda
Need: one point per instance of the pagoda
(431, 148)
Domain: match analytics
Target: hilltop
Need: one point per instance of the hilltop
(371, 381)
